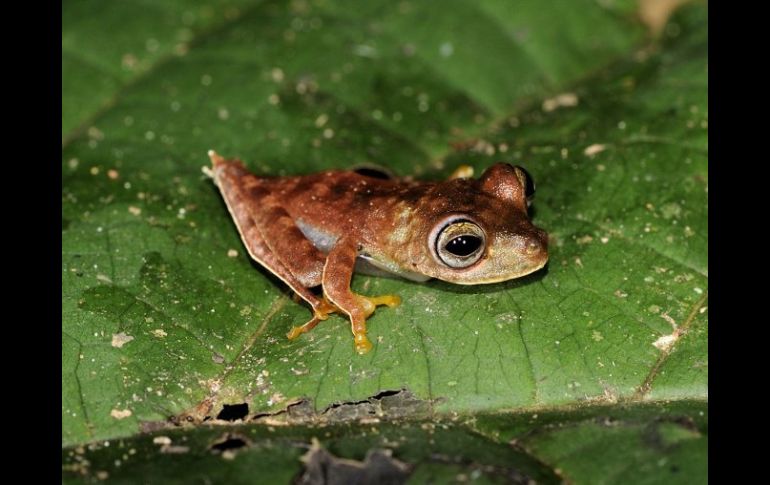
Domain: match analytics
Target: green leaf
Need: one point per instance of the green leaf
(159, 319)
(646, 443)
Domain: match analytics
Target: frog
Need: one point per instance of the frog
(315, 231)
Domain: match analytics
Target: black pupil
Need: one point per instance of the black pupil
(463, 245)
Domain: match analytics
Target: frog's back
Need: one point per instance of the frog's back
(340, 189)
(335, 202)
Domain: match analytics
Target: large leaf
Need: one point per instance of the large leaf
(640, 444)
(159, 320)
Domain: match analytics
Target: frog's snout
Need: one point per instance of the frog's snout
(533, 244)
(542, 241)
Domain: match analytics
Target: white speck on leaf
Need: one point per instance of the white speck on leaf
(592, 150)
(665, 342)
(564, 100)
(120, 414)
(321, 120)
(363, 50)
(120, 339)
(277, 74)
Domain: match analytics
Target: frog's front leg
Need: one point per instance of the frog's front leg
(462, 172)
(338, 271)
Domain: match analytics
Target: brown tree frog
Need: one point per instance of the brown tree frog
(315, 230)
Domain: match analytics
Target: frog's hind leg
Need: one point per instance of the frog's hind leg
(251, 202)
(290, 246)
(337, 274)
(232, 179)
(367, 303)
(320, 313)
(321, 306)
(287, 253)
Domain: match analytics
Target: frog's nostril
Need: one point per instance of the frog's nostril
(528, 245)
(533, 246)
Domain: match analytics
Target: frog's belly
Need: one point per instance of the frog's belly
(365, 264)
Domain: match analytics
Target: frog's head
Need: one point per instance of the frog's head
(479, 231)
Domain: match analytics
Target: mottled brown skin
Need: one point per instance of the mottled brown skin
(392, 222)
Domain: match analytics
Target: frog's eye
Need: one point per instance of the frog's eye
(527, 182)
(460, 244)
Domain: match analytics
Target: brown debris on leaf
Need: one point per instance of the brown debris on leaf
(391, 404)
(379, 466)
(196, 415)
(385, 405)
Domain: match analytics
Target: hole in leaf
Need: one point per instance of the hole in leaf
(233, 412)
(231, 443)
(387, 393)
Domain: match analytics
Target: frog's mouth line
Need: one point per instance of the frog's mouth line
(500, 279)
(365, 264)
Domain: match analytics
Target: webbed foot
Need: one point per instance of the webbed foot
(363, 345)
(369, 303)
(321, 312)
(366, 304)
